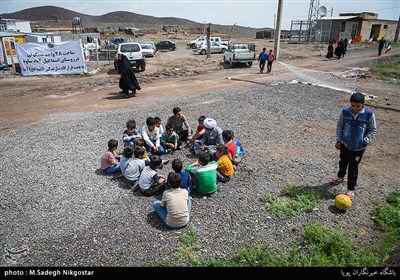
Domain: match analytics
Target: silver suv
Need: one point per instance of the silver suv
(133, 51)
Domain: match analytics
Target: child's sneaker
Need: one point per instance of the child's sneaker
(336, 181)
(350, 194)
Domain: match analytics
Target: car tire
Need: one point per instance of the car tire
(203, 52)
(250, 64)
(223, 50)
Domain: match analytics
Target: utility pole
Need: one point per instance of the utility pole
(230, 33)
(396, 35)
(278, 30)
(208, 31)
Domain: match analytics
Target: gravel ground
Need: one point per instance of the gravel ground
(54, 200)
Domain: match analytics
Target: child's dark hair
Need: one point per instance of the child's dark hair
(233, 134)
(227, 135)
(174, 180)
(168, 126)
(128, 152)
(139, 142)
(131, 124)
(176, 110)
(357, 97)
(150, 121)
(157, 119)
(139, 151)
(222, 148)
(177, 165)
(112, 143)
(204, 158)
(155, 161)
(202, 118)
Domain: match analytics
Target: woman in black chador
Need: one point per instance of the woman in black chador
(329, 55)
(128, 79)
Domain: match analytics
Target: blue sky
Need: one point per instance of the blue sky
(245, 13)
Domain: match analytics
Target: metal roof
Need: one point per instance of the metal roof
(338, 18)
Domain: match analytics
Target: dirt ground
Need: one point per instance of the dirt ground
(26, 100)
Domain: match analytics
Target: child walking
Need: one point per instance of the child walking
(262, 58)
(355, 129)
(271, 58)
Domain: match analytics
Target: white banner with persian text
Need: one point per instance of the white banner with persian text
(51, 58)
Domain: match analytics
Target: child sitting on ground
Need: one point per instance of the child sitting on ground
(149, 181)
(109, 160)
(130, 134)
(204, 174)
(151, 137)
(169, 139)
(187, 183)
(225, 167)
(175, 205)
(131, 168)
(239, 150)
(139, 142)
(159, 126)
(229, 143)
(199, 132)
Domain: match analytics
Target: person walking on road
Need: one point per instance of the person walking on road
(271, 58)
(128, 79)
(262, 58)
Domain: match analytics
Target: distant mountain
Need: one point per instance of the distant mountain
(45, 13)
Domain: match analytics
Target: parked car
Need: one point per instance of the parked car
(166, 45)
(133, 51)
(147, 50)
(152, 44)
(215, 48)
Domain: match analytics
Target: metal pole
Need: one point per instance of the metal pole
(97, 53)
(278, 30)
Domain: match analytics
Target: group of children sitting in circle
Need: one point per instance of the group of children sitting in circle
(218, 152)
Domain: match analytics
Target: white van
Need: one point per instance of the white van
(133, 51)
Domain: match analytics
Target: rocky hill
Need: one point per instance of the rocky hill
(56, 16)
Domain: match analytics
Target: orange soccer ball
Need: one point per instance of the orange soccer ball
(342, 202)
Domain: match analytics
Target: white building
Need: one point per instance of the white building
(43, 37)
(18, 25)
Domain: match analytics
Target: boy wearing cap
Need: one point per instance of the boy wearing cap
(212, 137)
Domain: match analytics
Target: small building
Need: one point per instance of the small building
(356, 26)
(8, 53)
(43, 37)
(17, 25)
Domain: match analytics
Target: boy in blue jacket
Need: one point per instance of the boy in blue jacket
(355, 129)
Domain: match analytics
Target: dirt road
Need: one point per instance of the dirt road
(29, 99)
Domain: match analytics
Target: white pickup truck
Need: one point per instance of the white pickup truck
(203, 39)
(240, 53)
